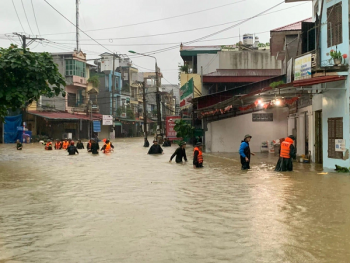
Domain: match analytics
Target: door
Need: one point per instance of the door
(318, 137)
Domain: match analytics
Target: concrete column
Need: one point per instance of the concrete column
(312, 134)
(301, 134)
(291, 125)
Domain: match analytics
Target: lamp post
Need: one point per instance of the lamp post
(159, 118)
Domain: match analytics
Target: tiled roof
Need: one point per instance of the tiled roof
(294, 26)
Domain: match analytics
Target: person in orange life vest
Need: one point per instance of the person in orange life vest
(65, 144)
(107, 148)
(48, 145)
(88, 146)
(244, 152)
(198, 156)
(58, 145)
(287, 154)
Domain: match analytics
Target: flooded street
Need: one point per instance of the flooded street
(132, 207)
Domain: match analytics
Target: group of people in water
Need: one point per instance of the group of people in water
(286, 154)
(180, 152)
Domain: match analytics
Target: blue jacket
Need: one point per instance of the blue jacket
(244, 145)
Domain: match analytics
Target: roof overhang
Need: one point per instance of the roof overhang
(318, 80)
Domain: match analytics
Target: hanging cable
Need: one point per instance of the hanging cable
(18, 16)
(35, 18)
(27, 17)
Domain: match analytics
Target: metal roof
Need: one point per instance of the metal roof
(64, 115)
(244, 72)
(294, 26)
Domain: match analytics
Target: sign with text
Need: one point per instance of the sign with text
(302, 67)
(186, 94)
(340, 145)
(170, 124)
(107, 120)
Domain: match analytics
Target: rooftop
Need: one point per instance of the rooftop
(294, 26)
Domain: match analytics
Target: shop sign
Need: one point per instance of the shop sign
(107, 120)
(186, 94)
(170, 124)
(302, 67)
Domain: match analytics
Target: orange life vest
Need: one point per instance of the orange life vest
(89, 145)
(57, 145)
(48, 145)
(108, 147)
(285, 148)
(65, 145)
(200, 155)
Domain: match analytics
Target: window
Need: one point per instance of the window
(72, 100)
(334, 25)
(75, 68)
(335, 131)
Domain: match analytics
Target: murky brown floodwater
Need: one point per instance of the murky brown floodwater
(130, 207)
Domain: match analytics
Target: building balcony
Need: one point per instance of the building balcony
(76, 81)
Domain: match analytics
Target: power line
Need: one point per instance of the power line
(77, 27)
(35, 18)
(27, 17)
(18, 16)
(151, 21)
(177, 32)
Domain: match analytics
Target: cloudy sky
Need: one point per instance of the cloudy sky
(120, 26)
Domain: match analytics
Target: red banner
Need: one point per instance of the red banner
(170, 124)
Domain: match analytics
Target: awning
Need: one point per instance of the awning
(318, 80)
(64, 115)
(117, 123)
(134, 102)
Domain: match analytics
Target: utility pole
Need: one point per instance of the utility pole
(24, 39)
(113, 86)
(77, 24)
(144, 111)
(159, 116)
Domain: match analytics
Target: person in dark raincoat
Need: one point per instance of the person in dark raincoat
(72, 150)
(287, 154)
(146, 144)
(94, 146)
(155, 148)
(167, 143)
(80, 145)
(180, 154)
(244, 152)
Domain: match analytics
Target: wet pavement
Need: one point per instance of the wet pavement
(132, 207)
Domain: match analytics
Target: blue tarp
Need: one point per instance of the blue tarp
(10, 128)
(97, 126)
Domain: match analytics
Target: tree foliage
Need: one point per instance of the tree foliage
(128, 110)
(25, 76)
(183, 129)
(95, 81)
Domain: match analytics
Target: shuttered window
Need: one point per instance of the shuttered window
(334, 25)
(72, 100)
(335, 131)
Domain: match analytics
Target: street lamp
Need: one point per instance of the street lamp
(159, 120)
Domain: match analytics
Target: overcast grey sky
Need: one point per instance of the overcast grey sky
(97, 14)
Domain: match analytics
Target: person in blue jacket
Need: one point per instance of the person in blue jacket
(244, 152)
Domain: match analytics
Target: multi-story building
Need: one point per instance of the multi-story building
(70, 115)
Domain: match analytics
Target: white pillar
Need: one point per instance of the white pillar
(291, 121)
(301, 134)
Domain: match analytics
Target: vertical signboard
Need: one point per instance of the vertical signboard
(289, 70)
(302, 67)
(170, 124)
(186, 94)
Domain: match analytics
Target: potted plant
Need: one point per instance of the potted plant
(336, 56)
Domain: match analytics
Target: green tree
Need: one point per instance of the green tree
(25, 76)
(183, 129)
(95, 81)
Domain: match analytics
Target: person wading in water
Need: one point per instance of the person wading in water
(198, 156)
(287, 152)
(244, 152)
(180, 154)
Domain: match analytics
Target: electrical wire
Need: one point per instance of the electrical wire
(151, 21)
(35, 18)
(27, 17)
(77, 27)
(18, 16)
(177, 32)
